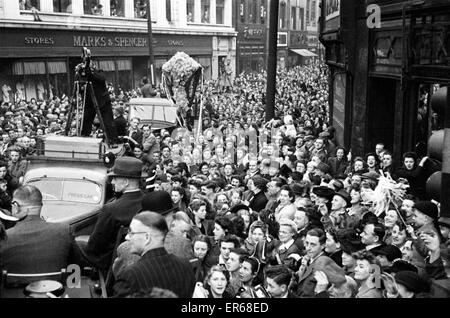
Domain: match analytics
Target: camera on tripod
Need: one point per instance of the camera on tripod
(84, 68)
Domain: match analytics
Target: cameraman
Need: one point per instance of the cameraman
(101, 93)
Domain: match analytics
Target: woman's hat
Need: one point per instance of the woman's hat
(344, 195)
(127, 167)
(159, 202)
(324, 192)
(391, 252)
(349, 240)
(411, 280)
(238, 207)
(400, 265)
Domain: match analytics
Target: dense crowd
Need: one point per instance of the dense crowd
(248, 208)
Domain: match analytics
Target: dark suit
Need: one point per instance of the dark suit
(112, 215)
(258, 202)
(35, 246)
(157, 268)
(136, 135)
(337, 166)
(104, 103)
(121, 125)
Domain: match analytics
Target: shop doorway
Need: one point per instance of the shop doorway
(427, 121)
(381, 112)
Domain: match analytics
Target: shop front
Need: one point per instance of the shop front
(298, 49)
(41, 63)
(340, 99)
(251, 47)
(390, 73)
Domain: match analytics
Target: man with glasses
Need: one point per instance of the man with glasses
(155, 268)
(33, 245)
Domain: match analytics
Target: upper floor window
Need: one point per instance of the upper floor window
(308, 5)
(263, 12)
(206, 18)
(282, 15)
(251, 11)
(62, 6)
(313, 13)
(190, 10)
(168, 10)
(29, 4)
(242, 10)
(220, 11)
(140, 9)
(117, 8)
(302, 19)
(92, 7)
(294, 18)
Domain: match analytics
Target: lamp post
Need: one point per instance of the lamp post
(272, 60)
(151, 57)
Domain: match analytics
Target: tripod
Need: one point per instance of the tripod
(84, 87)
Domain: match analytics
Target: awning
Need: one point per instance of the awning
(303, 52)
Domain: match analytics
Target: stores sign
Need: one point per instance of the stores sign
(103, 41)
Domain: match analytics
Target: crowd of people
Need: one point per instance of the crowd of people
(245, 208)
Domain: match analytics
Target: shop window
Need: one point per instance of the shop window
(220, 11)
(108, 68)
(64, 6)
(190, 10)
(427, 120)
(140, 9)
(158, 69)
(205, 62)
(205, 11)
(30, 80)
(57, 71)
(124, 69)
(92, 7)
(29, 4)
(117, 8)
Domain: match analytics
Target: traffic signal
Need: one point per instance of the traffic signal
(438, 185)
(435, 147)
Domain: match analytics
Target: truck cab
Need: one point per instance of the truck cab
(73, 180)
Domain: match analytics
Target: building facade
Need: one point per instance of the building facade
(383, 76)
(251, 21)
(297, 32)
(38, 58)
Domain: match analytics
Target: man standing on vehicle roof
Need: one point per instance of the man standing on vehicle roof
(126, 176)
